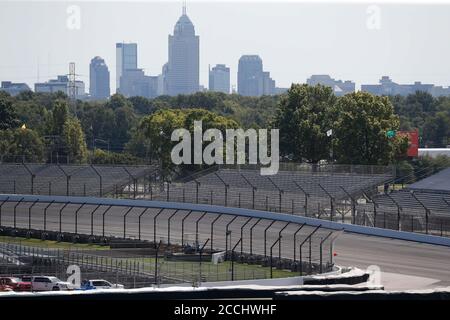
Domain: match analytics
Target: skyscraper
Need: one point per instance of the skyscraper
(126, 59)
(99, 79)
(219, 78)
(183, 65)
(250, 74)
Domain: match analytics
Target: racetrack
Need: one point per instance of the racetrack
(428, 264)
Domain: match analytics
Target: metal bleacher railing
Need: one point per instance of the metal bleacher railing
(74, 180)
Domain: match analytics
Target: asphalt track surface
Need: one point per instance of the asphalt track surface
(390, 255)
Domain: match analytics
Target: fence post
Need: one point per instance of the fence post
(125, 221)
(100, 180)
(427, 211)
(103, 220)
(29, 214)
(251, 235)
(76, 217)
(32, 176)
(92, 219)
(15, 212)
(139, 221)
(232, 258)
(321, 243)
(168, 226)
(212, 230)
(156, 261)
(1, 205)
(265, 237)
(60, 215)
(242, 233)
(271, 256)
(200, 258)
(196, 229)
(306, 197)
(295, 240)
(227, 233)
(301, 245)
(280, 237)
(154, 225)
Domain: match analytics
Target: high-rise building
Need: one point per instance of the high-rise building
(250, 71)
(219, 78)
(99, 79)
(252, 80)
(61, 84)
(14, 88)
(183, 65)
(339, 87)
(126, 59)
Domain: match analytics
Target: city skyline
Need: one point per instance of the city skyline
(430, 64)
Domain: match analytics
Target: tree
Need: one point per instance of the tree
(361, 121)
(8, 117)
(21, 143)
(74, 140)
(303, 118)
(159, 126)
(60, 115)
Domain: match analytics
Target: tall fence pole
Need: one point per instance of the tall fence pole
(45, 214)
(1, 206)
(92, 218)
(242, 233)
(295, 240)
(15, 211)
(182, 226)
(76, 217)
(125, 222)
(212, 231)
(154, 225)
(29, 214)
(251, 235)
(306, 196)
(232, 258)
(301, 245)
(100, 180)
(228, 232)
(265, 237)
(196, 228)
(139, 221)
(271, 256)
(168, 226)
(103, 220)
(320, 250)
(60, 215)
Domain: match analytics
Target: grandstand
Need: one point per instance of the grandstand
(313, 193)
(74, 180)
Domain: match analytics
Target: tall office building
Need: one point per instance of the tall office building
(219, 78)
(99, 79)
(183, 65)
(252, 80)
(126, 59)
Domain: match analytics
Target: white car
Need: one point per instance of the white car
(44, 283)
(100, 284)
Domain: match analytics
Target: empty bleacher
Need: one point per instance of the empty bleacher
(73, 180)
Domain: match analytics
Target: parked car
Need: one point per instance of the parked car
(44, 283)
(5, 287)
(99, 284)
(16, 284)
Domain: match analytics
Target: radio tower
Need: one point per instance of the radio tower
(72, 88)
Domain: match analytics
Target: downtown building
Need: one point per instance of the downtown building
(339, 87)
(219, 79)
(99, 88)
(252, 80)
(61, 84)
(130, 80)
(387, 87)
(182, 72)
(14, 88)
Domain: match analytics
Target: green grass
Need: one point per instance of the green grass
(214, 272)
(51, 244)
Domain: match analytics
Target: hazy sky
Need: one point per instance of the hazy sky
(295, 40)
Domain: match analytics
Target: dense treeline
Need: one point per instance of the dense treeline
(43, 127)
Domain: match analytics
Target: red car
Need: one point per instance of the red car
(15, 283)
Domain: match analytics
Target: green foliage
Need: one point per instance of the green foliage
(104, 157)
(21, 144)
(361, 121)
(8, 116)
(74, 141)
(158, 128)
(303, 117)
(60, 114)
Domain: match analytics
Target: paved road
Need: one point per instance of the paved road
(392, 256)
